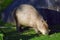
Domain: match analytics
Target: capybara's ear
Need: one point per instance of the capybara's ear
(46, 20)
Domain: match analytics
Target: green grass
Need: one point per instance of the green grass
(1, 36)
(50, 37)
(11, 34)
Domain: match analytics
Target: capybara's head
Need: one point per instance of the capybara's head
(43, 27)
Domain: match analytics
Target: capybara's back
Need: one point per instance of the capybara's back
(27, 15)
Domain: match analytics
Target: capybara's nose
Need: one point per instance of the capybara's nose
(46, 32)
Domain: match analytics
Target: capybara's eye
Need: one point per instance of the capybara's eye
(42, 20)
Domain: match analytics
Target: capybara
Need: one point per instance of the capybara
(27, 15)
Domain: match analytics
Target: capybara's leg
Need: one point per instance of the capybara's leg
(18, 27)
(36, 30)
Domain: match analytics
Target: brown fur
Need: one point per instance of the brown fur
(27, 15)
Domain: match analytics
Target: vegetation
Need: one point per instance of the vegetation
(4, 4)
(1, 36)
(10, 33)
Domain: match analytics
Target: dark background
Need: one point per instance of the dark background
(46, 8)
(52, 16)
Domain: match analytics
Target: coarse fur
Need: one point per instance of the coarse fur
(27, 15)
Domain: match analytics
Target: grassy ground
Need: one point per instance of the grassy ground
(11, 34)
